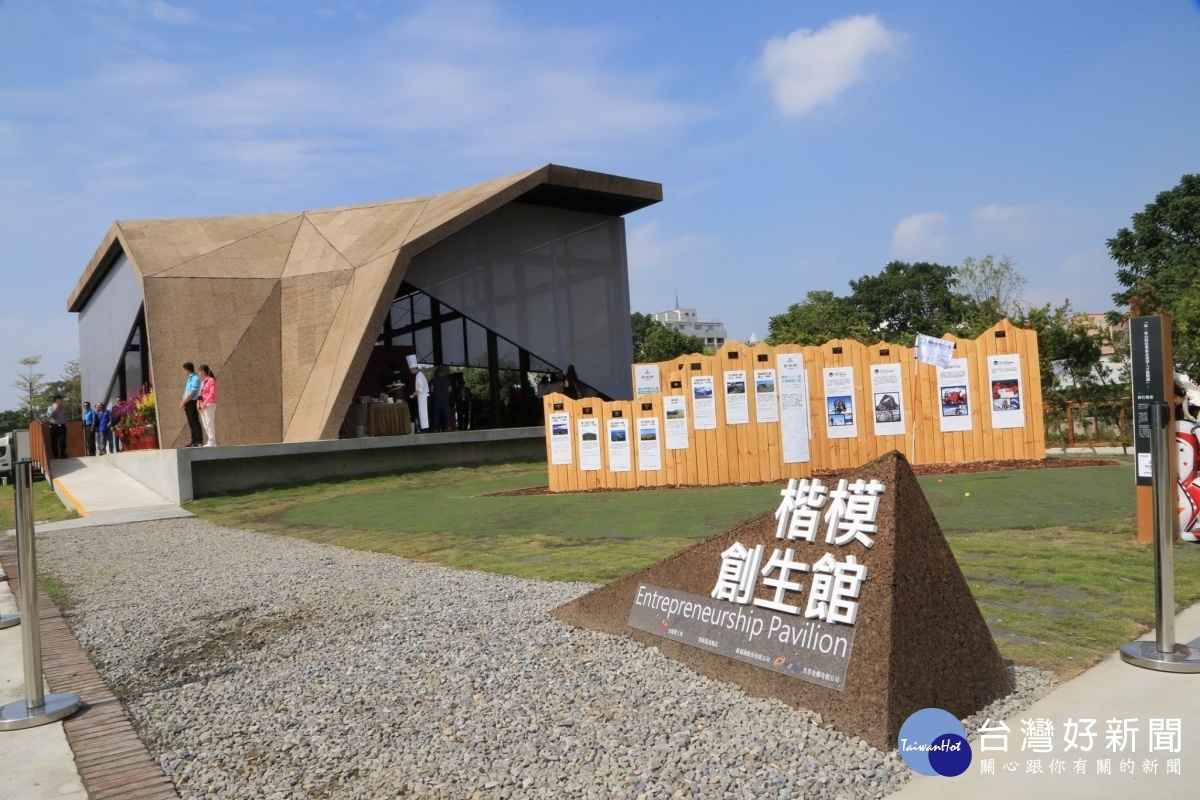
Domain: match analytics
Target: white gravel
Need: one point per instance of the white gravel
(258, 666)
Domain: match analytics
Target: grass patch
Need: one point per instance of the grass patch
(1050, 555)
(56, 590)
(46, 506)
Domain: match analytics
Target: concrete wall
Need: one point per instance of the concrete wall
(182, 475)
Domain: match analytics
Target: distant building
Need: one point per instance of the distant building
(686, 321)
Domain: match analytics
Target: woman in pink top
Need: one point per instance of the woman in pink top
(207, 404)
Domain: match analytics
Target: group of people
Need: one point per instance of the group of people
(199, 404)
(440, 390)
(97, 429)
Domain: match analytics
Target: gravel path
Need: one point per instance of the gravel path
(263, 667)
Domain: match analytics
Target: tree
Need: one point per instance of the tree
(1159, 266)
(653, 341)
(69, 385)
(907, 299)
(30, 385)
(13, 420)
(994, 287)
(820, 317)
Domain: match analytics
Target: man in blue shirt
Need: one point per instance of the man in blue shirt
(191, 391)
(89, 429)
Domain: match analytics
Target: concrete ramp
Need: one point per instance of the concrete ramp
(105, 495)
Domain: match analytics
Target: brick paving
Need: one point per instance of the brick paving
(113, 763)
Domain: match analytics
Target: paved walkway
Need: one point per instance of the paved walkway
(1111, 690)
(104, 495)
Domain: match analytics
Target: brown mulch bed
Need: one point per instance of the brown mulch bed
(918, 469)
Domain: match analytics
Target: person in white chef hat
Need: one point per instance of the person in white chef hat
(421, 393)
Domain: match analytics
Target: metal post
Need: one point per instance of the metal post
(1163, 654)
(37, 708)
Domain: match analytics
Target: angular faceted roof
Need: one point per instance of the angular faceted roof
(290, 304)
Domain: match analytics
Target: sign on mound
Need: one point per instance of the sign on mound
(845, 600)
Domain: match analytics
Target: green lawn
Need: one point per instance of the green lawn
(1050, 555)
(46, 506)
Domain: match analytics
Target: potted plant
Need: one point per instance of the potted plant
(135, 422)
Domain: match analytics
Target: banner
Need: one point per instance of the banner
(649, 452)
(618, 446)
(647, 379)
(841, 419)
(676, 425)
(737, 405)
(954, 401)
(934, 351)
(887, 398)
(766, 396)
(560, 438)
(704, 405)
(1008, 396)
(589, 444)
(793, 408)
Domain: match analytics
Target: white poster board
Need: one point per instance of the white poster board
(675, 412)
(841, 417)
(1008, 395)
(766, 396)
(737, 404)
(649, 450)
(954, 402)
(793, 408)
(646, 379)
(618, 446)
(887, 399)
(559, 428)
(704, 405)
(589, 444)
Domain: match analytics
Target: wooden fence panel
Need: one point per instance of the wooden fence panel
(753, 452)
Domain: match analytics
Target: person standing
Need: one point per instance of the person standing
(191, 392)
(440, 388)
(57, 416)
(421, 393)
(89, 429)
(104, 436)
(207, 403)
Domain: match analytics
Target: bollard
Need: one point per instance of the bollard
(37, 708)
(1164, 653)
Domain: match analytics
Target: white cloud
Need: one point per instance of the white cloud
(921, 237)
(652, 252)
(1009, 224)
(809, 69)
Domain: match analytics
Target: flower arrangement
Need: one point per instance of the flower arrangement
(137, 415)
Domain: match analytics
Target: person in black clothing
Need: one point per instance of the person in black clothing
(439, 388)
(570, 383)
(57, 415)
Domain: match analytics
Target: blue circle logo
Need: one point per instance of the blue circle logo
(932, 742)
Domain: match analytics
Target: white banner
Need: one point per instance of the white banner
(954, 404)
(793, 408)
(737, 405)
(649, 451)
(675, 411)
(841, 418)
(934, 351)
(766, 396)
(704, 405)
(647, 379)
(618, 446)
(559, 427)
(1008, 395)
(887, 398)
(589, 444)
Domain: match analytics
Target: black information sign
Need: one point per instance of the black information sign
(1146, 352)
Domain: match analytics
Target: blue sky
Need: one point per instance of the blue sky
(800, 145)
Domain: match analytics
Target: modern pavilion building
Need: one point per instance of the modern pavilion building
(298, 313)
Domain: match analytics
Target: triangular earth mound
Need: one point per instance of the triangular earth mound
(918, 641)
